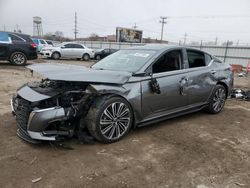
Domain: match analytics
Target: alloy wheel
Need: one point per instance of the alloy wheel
(19, 59)
(219, 99)
(115, 120)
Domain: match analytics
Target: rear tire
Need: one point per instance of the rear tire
(18, 58)
(55, 56)
(217, 100)
(85, 57)
(109, 119)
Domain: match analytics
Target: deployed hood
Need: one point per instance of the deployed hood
(79, 73)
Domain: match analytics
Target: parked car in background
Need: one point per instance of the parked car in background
(41, 43)
(68, 50)
(130, 88)
(16, 48)
(99, 54)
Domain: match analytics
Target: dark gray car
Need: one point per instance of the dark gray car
(130, 88)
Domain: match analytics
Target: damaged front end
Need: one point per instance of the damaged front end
(50, 110)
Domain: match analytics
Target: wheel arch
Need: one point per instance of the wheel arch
(57, 52)
(17, 50)
(116, 91)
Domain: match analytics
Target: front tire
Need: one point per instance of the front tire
(109, 119)
(217, 100)
(18, 58)
(56, 56)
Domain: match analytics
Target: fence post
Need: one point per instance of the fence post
(225, 55)
(201, 45)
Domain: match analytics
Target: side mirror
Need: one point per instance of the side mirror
(154, 85)
(62, 47)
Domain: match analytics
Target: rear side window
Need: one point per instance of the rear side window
(16, 38)
(4, 37)
(69, 46)
(196, 59)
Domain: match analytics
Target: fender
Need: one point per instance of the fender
(130, 92)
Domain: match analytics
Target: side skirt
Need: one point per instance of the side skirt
(169, 116)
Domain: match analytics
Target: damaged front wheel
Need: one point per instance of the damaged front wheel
(109, 119)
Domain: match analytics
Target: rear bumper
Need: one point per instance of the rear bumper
(32, 56)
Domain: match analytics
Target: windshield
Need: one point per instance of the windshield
(125, 60)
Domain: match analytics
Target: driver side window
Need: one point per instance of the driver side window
(170, 61)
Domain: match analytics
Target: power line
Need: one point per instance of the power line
(163, 22)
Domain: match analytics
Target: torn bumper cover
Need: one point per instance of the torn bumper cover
(31, 126)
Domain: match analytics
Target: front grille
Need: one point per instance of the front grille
(22, 111)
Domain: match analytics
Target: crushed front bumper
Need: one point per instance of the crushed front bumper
(31, 125)
(46, 54)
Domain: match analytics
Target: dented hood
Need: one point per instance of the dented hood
(79, 73)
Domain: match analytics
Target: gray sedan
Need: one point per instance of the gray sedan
(130, 88)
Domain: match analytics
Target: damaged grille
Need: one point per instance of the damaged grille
(22, 111)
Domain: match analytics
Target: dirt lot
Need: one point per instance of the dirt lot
(197, 150)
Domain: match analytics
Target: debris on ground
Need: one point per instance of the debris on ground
(241, 94)
(242, 74)
(36, 180)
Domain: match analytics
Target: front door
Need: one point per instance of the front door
(171, 78)
(67, 50)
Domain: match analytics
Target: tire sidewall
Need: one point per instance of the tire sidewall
(12, 56)
(210, 106)
(55, 58)
(85, 55)
(99, 113)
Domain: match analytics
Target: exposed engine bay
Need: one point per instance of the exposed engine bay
(56, 117)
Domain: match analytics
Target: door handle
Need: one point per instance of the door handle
(213, 71)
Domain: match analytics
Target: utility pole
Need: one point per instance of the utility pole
(163, 22)
(237, 44)
(135, 26)
(75, 27)
(4, 28)
(216, 41)
(185, 38)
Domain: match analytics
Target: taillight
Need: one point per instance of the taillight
(33, 45)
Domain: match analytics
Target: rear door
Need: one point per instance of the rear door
(78, 51)
(171, 77)
(201, 79)
(5, 45)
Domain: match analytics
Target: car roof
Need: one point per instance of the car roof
(20, 34)
(162, 47)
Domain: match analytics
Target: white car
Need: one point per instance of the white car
(68, 50)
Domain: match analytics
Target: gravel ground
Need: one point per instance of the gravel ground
(196, 150)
